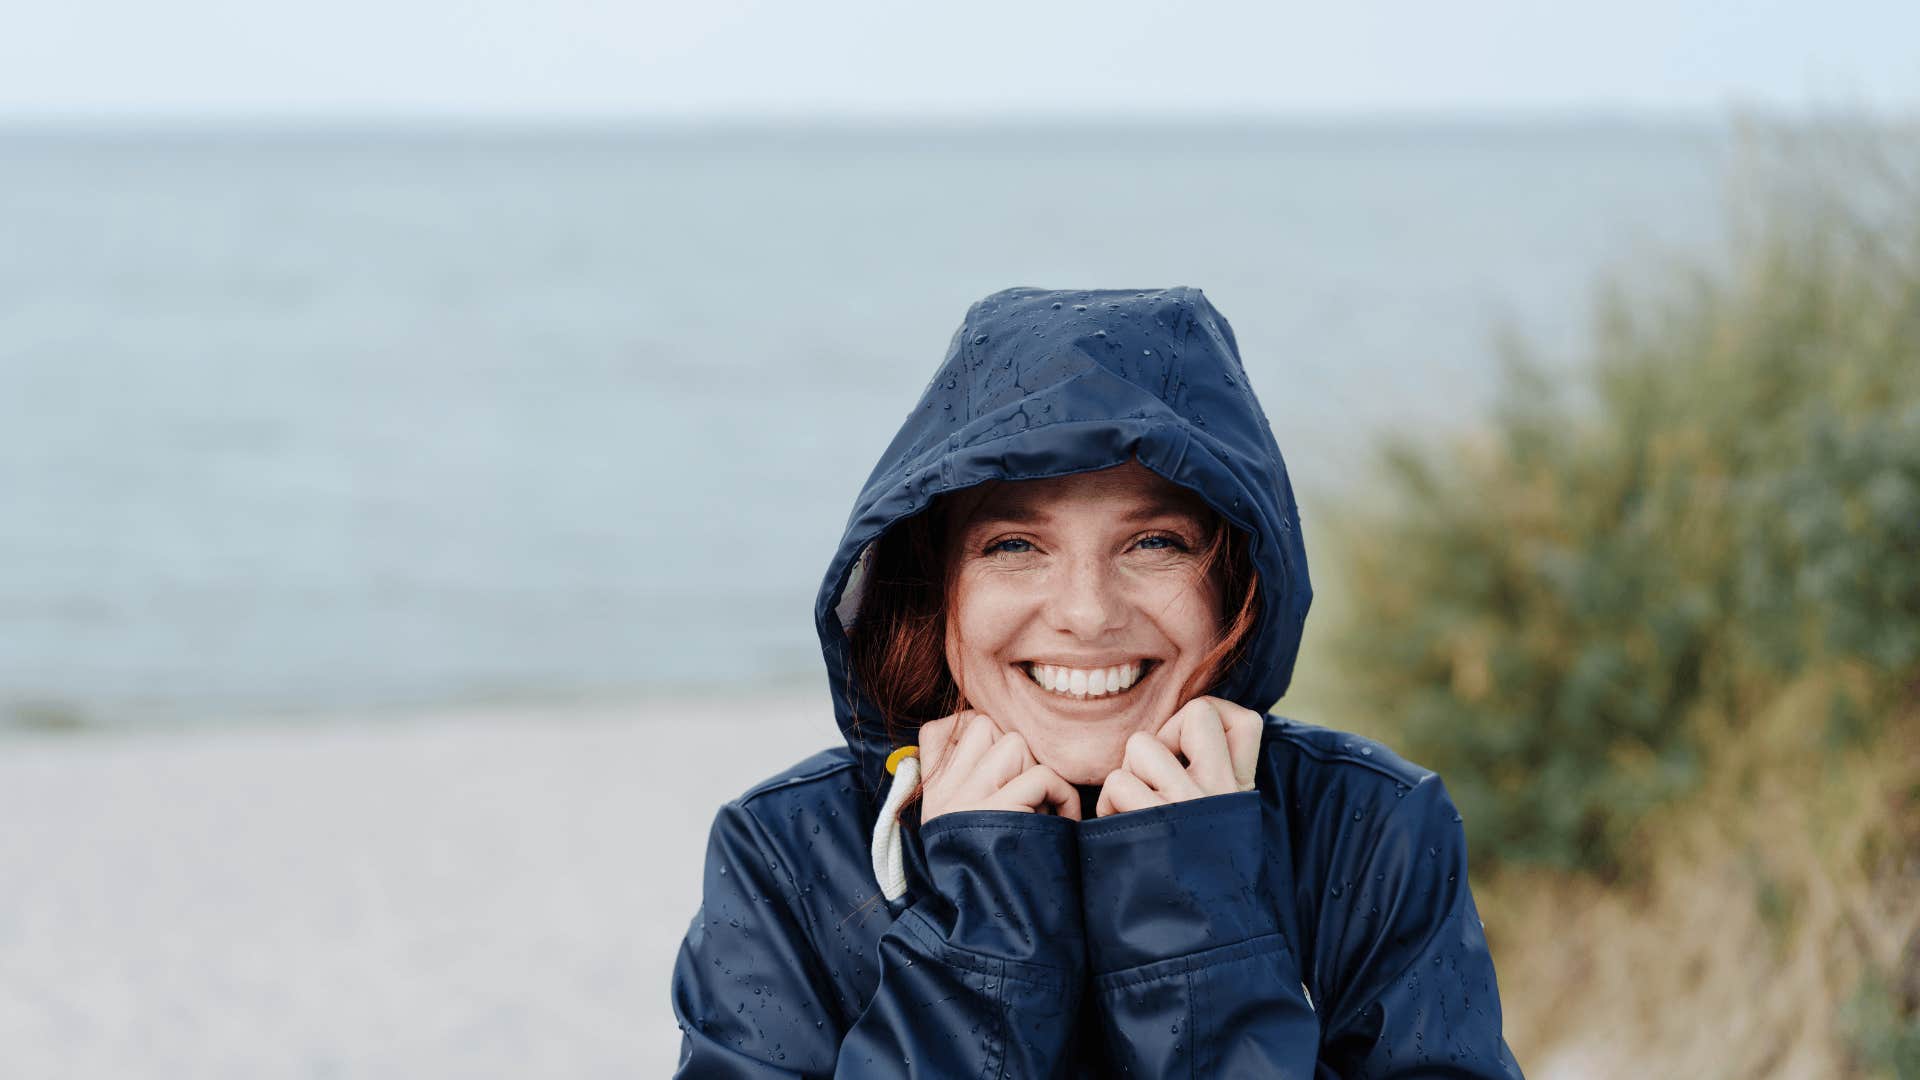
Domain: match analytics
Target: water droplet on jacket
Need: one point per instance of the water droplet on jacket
(1335, 890)
(1056, 305)
(1146, 352)
(1079, 307)
(980, 339)
(1099, 333)
(1366, 751)
(1230, 381)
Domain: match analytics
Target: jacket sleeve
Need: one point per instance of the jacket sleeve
(1402, 967)
(1192, 974)
(979, 978)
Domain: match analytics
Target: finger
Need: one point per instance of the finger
(1124, 792)
(1008, 758)
(1036, 787)
(976, 736)
(1169, 733)
(1244, 730)
(1203, 739)
(934, 738)
(1153, 763)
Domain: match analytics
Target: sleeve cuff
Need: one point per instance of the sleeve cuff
(1006, 885)
(1173, 880)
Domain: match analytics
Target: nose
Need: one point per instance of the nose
(1087, 598)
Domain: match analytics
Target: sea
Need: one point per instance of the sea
(301, 419)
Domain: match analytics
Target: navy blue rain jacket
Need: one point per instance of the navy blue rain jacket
(1318, 926)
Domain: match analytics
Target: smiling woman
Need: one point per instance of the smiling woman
(1030, 571)
(1068, 590)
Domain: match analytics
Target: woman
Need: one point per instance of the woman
(1073, 581)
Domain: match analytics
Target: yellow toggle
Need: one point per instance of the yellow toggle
(894, 759)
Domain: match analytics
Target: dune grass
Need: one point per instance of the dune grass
(1658, 627)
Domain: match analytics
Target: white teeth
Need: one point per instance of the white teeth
(1082, 683)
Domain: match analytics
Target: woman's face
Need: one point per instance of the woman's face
(1072, 575)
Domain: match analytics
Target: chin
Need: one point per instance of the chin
(1087, 765)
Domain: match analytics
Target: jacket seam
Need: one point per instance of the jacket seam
(1341, 758)
(996, 1063)
(994, 1052)
(794, 781)
(1193, 1029)
(1038, 976)
(1156, 970)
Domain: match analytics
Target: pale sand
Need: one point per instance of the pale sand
(467, 893)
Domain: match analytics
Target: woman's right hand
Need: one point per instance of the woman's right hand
(969, 763)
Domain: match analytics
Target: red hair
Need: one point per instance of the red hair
(898, 642)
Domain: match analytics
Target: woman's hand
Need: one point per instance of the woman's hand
(1221, 744)
(970, 764)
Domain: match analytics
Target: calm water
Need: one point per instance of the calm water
(370, 418)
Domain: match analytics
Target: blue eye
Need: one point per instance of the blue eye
(1000, 544)
(1173, 541)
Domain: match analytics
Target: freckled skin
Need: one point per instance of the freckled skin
(1080, 581)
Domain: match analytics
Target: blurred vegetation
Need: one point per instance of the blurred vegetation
(1658, 628)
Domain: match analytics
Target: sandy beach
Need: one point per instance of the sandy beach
(476, 892)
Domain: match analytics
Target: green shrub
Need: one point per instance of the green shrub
(1568, 614)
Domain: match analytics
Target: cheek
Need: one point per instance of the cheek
(1190, 614)
(970, 631)
(981, 627)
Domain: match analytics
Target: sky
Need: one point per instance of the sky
(697, 58)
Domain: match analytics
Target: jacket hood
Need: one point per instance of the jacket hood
(1040, 383)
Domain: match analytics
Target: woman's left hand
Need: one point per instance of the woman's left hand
(1221, 744)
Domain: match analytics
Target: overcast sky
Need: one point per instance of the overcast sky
(701, 57)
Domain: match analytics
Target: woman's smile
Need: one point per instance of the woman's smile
(1097, 685)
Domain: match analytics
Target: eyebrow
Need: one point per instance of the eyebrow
(1021, 515)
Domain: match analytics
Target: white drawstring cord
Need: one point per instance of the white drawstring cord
(889, 868)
